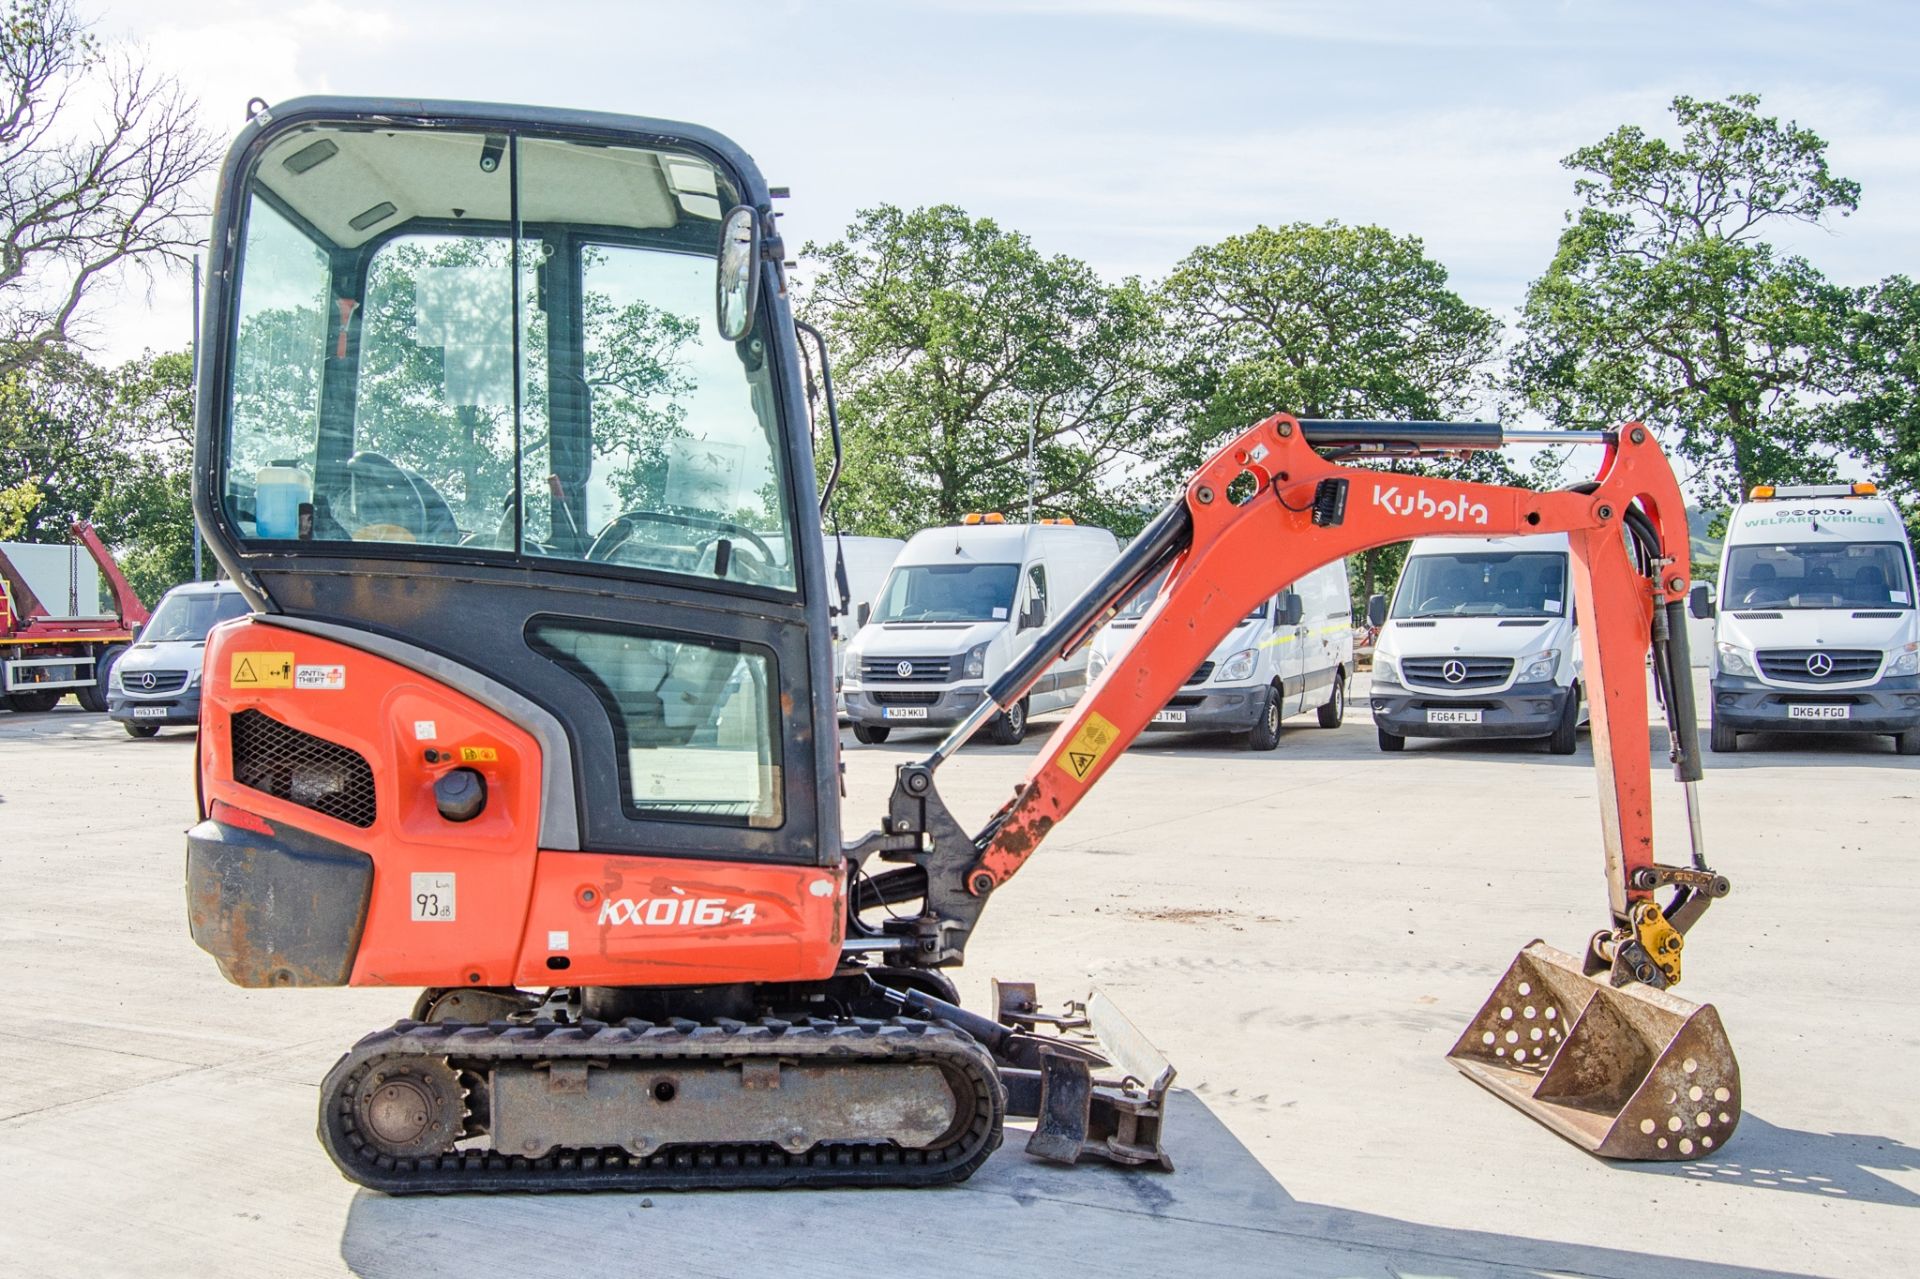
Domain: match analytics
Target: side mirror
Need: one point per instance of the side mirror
(864, 612)
(1035, 614)
(737, 273)
(1291, 610)
(1700, 600)
(1376, 610)
(136, 628)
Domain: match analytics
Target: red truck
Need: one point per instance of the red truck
(50, 646)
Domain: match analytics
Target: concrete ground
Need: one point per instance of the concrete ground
(1303, 932)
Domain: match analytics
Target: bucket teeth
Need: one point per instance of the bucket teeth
(1627, 1073)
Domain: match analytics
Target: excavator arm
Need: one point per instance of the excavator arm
(1262, 512)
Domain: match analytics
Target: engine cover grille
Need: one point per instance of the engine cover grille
(279, 760)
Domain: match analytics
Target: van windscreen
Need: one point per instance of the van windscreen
(1483, 584)
(190, 616)
(948, 593)
(1817, 575)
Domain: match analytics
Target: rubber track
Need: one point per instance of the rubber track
(475, 1049)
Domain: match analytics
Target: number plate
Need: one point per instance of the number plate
(1819, 710)
(1453, 717)
(149, 712)
(1170, 717)
(905, 712)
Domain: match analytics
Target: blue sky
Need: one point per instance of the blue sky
(1124, 132)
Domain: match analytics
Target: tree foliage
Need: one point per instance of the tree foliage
(954, 341)
(1321, 321)
(113, 447)
(1879, 420)
(82, 198)
(1664, 303)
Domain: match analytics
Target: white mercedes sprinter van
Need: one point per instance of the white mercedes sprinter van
(1479, 642)
(860, 566)
(1816, 630)
(960, 604)
(1292, 653)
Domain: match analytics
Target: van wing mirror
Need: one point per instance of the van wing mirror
(1376, 610)
(1291, 610)
(1035, 614)
(864, 612)
(1700, 600)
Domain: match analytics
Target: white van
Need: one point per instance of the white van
(862, 564)
(1816, 630)
(1292, 653)
(960, 604)
(1479, 642)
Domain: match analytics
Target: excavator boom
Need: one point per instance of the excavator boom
(1264, 511)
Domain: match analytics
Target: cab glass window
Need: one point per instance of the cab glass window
(503, 344)
(693, 719)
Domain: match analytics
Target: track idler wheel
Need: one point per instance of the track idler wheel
(410, 1110)
(1626, 1072)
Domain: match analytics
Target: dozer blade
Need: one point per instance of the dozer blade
(1627, 1073)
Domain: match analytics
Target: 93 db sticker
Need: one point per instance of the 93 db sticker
(433, 896)
(1087, 746)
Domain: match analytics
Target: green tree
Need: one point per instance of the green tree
(1665, 303)
(113, 447)
(955, 343)
(1879, 421)
(1321, 321)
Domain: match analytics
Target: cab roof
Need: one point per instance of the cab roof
(1482, 545)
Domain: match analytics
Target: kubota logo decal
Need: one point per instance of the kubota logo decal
(677, 910)
(1418, 503)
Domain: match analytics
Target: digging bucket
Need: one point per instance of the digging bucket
(1624, 1072)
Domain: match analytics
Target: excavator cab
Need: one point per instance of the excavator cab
(520, 390)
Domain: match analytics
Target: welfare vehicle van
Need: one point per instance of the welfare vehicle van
(961, 603)
(858, 567)
(1291, 654)
(1816, 630)
(1479, 642)
(156, 683)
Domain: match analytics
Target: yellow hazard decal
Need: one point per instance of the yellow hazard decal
(261, 670)
(479, 754)
(1087, 746)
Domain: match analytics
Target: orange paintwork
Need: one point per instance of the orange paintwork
(1243, 554)
(510, 896)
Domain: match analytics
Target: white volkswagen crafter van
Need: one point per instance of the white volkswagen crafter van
(960, 604)
(1816, 630)
(1292, 653)
(1479, 642)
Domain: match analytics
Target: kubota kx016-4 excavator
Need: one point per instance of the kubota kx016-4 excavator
(506, 431)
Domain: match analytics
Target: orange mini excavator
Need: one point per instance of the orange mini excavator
(507, 432)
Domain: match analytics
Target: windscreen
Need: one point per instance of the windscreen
(188, 617)
(948, 593)
(498, 343)
(1483, 584)
(1817, 575)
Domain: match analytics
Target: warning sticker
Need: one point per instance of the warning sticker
(1086, 747)
(479, 754)
(261, 670)
(319, 677)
